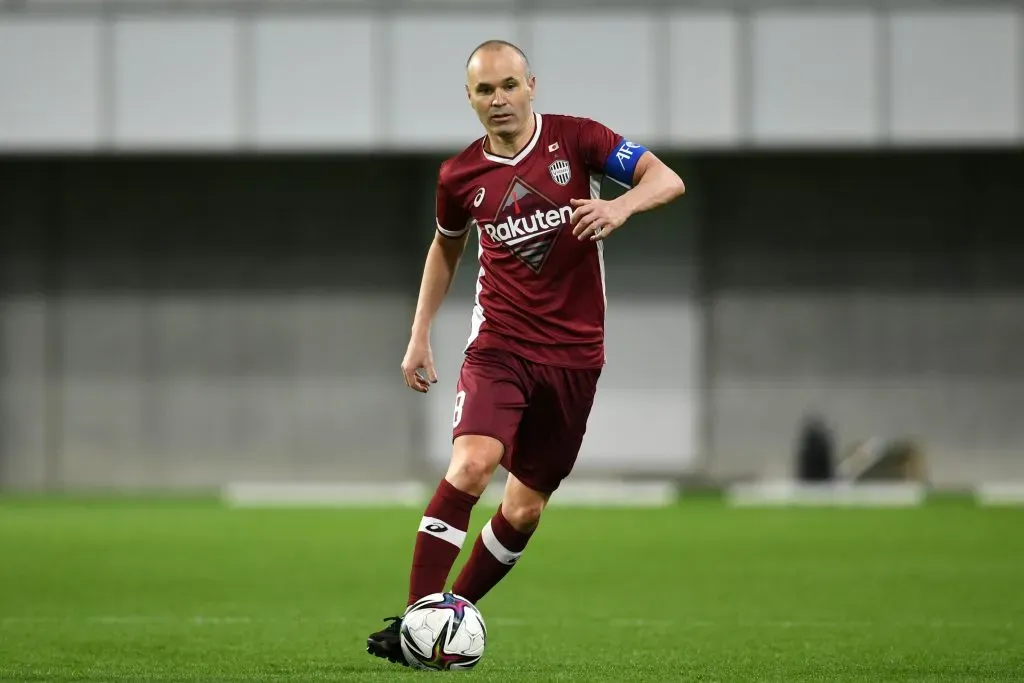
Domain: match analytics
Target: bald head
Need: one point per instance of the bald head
(492, 46)
(500, 89)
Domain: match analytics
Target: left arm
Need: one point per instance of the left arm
(654, 184)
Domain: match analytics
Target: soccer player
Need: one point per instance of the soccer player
(531, 188)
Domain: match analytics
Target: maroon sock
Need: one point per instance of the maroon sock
(495, 552)
(439, 539)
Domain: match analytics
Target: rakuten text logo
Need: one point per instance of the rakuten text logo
(540, 221)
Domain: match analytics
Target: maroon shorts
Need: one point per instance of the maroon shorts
(538, 412)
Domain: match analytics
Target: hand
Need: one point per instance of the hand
(596, 218)
(419, 357)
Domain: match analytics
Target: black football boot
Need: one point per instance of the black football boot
(386, 642)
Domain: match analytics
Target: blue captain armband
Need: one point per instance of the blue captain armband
(621, 163)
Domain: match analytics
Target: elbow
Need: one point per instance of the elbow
(678, 187)
(670, 182)
(674, 186)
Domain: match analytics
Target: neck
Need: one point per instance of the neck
(510, 146)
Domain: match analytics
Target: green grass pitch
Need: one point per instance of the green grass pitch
(153, 590)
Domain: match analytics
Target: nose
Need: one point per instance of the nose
(499, 98)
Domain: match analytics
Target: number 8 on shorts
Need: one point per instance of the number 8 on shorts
(460, 398)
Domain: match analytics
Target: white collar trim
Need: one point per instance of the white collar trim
(522, 154)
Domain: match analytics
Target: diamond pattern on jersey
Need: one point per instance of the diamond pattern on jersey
(528, 224)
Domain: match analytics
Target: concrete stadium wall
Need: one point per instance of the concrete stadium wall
(187, 321)
(882, 292)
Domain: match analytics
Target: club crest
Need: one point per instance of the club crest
(559, 170)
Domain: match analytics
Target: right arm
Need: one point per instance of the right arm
(453, 225)
(438, 272)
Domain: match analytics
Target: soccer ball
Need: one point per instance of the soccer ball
(443, 631)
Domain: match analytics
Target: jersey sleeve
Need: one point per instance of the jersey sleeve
(607, 152)
(452, 219)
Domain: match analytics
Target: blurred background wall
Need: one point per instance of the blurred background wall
(214, 214)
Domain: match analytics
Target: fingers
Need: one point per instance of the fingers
(594, 219)
(586, 226)
(585, 208)
(411, 379)
(420, 381)
(580, 217)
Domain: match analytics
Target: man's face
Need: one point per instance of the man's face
(500, 91)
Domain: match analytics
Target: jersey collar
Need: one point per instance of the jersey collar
(523, 153)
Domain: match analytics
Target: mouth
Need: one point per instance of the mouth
(501, 118)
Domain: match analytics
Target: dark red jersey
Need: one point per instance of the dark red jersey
(540, 292)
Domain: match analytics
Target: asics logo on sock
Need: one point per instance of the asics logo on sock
(438, 528)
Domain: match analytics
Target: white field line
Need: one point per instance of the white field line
(786, 492)
(602, 493)
(1000, 493)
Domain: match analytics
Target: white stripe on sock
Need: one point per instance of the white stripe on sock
(443, 530)
(500, 552)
